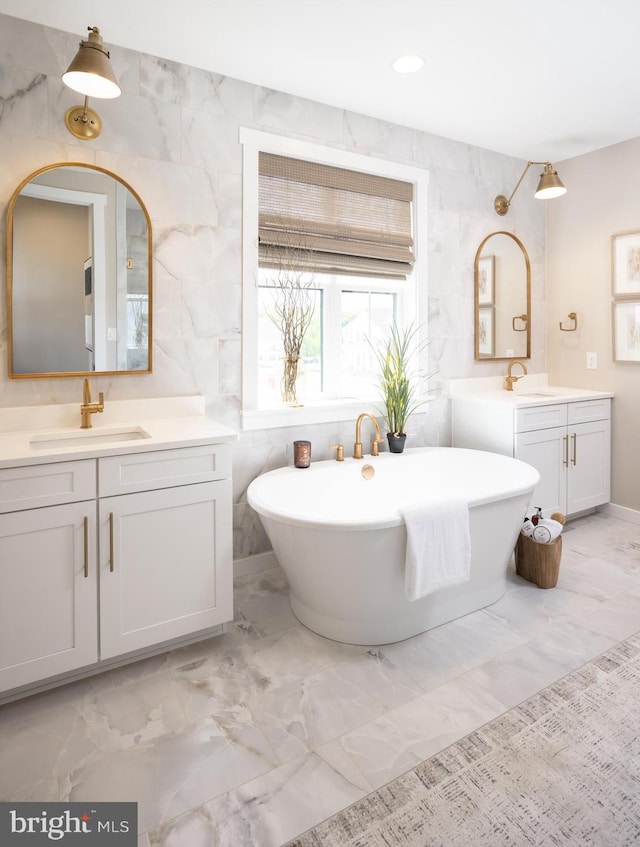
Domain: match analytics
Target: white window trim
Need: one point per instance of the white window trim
(253, 142)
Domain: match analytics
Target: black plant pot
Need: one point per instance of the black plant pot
(396, 442)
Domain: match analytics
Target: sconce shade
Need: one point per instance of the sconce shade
(90, 73)
(550, 184)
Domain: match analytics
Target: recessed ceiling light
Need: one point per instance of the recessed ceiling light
(408, 64)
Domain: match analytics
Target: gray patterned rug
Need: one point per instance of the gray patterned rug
(562, 768)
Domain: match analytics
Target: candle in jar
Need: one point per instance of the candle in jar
(302, 454)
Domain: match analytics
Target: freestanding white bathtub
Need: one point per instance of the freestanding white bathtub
(341, 540)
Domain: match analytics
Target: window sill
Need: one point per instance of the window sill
(307, 414)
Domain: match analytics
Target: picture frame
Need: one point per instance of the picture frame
(486, 277)
(626, 330)
(625, 264)
(486, 334)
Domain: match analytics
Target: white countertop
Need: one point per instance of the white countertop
(36, 434)
(530, 390)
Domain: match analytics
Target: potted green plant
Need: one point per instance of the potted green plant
(398, 381)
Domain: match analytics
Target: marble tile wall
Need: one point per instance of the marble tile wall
(173, 135)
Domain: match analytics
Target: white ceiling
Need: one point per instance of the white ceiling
(535, 79)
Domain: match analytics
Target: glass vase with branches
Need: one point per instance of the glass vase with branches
(292, 307)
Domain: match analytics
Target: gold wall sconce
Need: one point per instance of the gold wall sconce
(549, 186)
(90, 74)
(572, 317)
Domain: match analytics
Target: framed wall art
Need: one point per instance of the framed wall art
(486, 272)
(626, 331)
(625, 264)
(486, 335)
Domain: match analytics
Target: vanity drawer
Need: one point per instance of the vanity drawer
(47, 485)
(541, 417)
(589, 410)
(162, 469)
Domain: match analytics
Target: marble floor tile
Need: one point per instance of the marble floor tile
(385, 748)
(441, 654)
(220, 678)
(617, 618)
(521, 672)
(251, 737)
(264, 600)
(265, 812)
(298, 717)
(177, 772)
(595, 577)
(530, 610)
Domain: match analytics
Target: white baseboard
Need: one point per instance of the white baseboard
(255, 564)
(621, 512)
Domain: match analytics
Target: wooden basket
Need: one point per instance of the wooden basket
(538, 563)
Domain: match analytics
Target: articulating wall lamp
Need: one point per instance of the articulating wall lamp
(90, 74)
(550, 185)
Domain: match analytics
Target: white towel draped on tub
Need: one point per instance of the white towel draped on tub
(438, 545)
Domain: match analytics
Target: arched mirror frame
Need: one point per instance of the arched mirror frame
(478, 356)
(9, 259)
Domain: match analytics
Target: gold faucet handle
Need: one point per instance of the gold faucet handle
(340, 451)
(101, 400)
(374, 445)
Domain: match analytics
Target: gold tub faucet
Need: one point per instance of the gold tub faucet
(510, 378)
(88, 408)
(357, 447)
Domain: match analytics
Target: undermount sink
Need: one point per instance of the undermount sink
(86, 437)
(535, 394)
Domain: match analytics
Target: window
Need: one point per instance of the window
(355, 256)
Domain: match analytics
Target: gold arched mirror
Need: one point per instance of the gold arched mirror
(79, 293)
(502, 275)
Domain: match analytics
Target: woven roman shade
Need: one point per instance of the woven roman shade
(332, 220)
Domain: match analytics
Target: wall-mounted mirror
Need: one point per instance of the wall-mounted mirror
(502, 274)
(78, 275)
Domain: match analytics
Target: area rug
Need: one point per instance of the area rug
(562, 768)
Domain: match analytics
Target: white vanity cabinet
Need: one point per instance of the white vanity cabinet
(109, 558)
(569, 443)
(573, 457)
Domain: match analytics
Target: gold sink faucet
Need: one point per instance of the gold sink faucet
(88, 408)
(357, 447)
(510, 378)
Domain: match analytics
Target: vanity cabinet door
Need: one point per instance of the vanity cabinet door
(165, 565)
(48, 579)
(546, 450)
(589, 478)
(574, 464)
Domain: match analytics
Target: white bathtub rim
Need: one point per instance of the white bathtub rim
(529, 478)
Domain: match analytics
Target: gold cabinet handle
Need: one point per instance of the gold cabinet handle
(86, 545)
(111, 563)
(574, 438)
(565, 460)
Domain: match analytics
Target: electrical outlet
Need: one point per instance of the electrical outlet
(592, 361)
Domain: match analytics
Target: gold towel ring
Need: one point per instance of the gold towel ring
(572, 317)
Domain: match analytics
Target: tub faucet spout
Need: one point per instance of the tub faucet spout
(357, 447)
